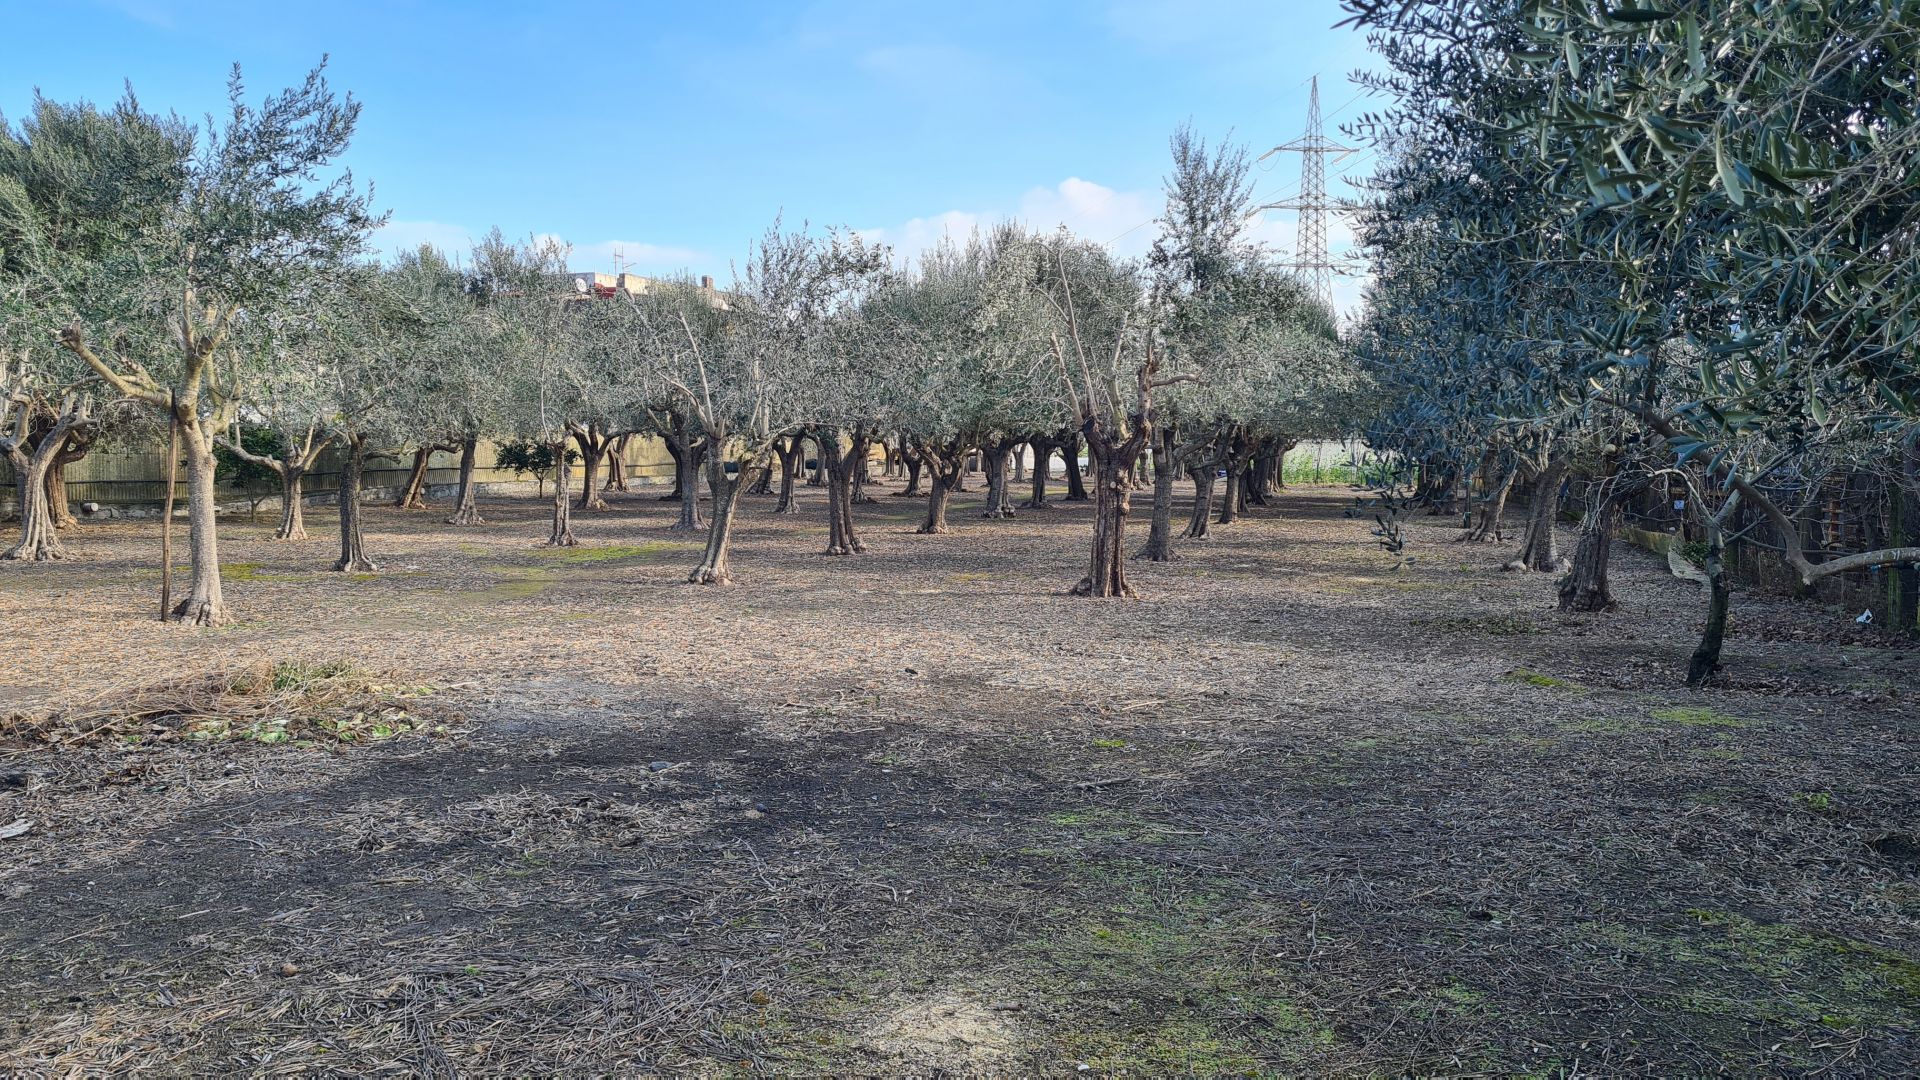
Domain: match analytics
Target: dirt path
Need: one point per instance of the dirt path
(1294, 811)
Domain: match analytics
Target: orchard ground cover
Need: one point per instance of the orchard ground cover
(1294, 810)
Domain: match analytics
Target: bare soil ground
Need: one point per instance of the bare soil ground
(917, 811)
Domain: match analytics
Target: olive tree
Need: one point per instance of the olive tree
(255, 227)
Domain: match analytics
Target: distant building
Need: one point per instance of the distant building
(607, 286)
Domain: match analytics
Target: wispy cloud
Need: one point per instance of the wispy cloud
(1122, 220)
(397, 236)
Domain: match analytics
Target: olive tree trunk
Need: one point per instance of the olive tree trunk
(1112, 491)
(714, 567)
(1076, 485)
(353, 549)
(1541, 552)
(788, 451)
(466, 509)
(205, 604)
(1159, 547)
(561, 535)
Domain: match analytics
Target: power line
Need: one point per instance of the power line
(1310, 259)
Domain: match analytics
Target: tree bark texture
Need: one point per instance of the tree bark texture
(561, 534)
(466, 509)
(353, 548)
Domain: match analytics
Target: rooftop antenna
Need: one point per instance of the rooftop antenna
(1310, 260)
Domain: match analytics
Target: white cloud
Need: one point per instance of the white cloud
(1123, 220)
(397, 236)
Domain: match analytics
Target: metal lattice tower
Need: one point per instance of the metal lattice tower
(1310, 258)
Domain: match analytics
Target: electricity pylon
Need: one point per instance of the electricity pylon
(1310, 259)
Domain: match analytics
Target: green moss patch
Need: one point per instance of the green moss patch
(1526, 677)
(1747, 972)
(1693, 716)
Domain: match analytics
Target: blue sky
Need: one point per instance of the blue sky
(673, 133)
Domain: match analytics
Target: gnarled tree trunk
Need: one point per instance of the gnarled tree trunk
(412, 495)
(293, 503)
(593, 443)
(353, 549)
(1197, 522)
(999, 503)
(1076, 485)
(617, 463)
(840, 466)
(1585, 587)
(1491, 508)
(788, 451)
(32, 474)
(943, 473)
(1042, 464)
(715, 568)
(466, 509)
(912, 465)
(1112, 491)
(1542, 552)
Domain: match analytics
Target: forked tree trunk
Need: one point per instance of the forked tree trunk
(466, 509)
(617, 463)
(1076, 486)
(687, 471)
(912, 490)
(714, 566)
(561, 535)
(593, 450)
(841, 539)
(1107, 567)
(819, 476)
(788, 451)
(1199, 520)
(1705, 662)
(412, 493)
(36, 474)
(1585, 587)
(293, 506)
(1491, 511)
(999, 504)
(353, 548)
(1541, 553)
(862, 470)
(1019, 463)
(1160, 533)
(942, 475)
(205, 604)
(1042, 464)
(39, 541)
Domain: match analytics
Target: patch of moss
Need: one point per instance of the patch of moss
(523, 584)
(1535, 678)
(1110, 744)
(651, 550)
(1746, 971)
(240, 571)
(1694, 716)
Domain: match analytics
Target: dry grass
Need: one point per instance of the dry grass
(332, 702)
